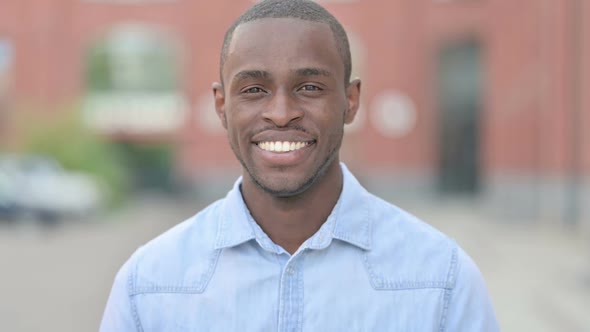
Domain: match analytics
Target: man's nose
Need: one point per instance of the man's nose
(283, 109)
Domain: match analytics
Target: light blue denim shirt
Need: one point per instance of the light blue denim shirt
(370, 267)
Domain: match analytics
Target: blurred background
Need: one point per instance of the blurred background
(475, 117)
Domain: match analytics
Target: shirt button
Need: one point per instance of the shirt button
(290, 270)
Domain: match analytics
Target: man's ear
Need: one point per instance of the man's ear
(353, 96)
(219, 97)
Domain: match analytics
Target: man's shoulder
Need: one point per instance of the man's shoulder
(406, 252)
(397, 226)
(409, 254)
(178, 259)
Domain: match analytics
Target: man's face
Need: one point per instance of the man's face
(284, 102)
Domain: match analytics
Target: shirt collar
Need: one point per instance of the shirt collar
(351, 214)
(349, 221)
(233, 226)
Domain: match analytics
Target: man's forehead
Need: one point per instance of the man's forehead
(272, 26)
(264, 42)
(276, 34)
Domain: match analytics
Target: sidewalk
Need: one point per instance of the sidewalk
(538, 277)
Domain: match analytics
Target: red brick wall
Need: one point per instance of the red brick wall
(527, 119)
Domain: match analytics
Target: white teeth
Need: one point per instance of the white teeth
(284, 146)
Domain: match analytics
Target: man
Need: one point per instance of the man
(297, 244)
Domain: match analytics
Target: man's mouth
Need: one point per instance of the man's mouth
(282, 146)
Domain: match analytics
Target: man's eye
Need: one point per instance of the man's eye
(309, 87)
(254, 89)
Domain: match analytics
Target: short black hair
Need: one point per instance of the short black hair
(300, 9)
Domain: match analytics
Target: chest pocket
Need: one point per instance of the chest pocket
(201, 312)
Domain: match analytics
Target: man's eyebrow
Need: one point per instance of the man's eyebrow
(313, 72)
(246, 74)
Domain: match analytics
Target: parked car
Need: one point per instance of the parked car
(39, 186)
(9, 209)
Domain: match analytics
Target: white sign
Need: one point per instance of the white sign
(135, 113)
(393, 114)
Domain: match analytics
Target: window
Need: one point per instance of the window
(6, 63)
(133, 82)
(5, 69)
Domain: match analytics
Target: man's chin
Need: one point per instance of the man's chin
(284, 189)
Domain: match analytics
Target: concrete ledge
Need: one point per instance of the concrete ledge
(544, 199)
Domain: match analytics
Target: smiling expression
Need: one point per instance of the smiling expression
(284, 103)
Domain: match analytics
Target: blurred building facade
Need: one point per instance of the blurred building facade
(482, 98)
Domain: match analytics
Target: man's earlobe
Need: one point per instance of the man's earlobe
(353, 96)
(219, 98)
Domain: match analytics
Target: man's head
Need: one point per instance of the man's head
(286, 95)
(300, 9)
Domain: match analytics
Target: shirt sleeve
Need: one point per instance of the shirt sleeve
(469, 307)
(120, 314)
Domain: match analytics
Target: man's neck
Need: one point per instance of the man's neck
(289, 221)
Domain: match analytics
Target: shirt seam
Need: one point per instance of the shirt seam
(204, 280)
(380, 284)
(301, 294)
(130, 287)
(449, 289)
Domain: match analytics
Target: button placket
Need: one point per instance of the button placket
(291, 296)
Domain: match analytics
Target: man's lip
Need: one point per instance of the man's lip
(282, 136)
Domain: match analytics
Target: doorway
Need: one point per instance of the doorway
(459, 102)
